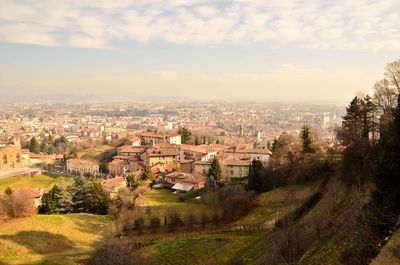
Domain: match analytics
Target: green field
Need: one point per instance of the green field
(96, 153)
(45, 181)
(52, 239)
(217, 248)
(162, 202)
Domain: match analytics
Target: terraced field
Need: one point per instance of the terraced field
(218, 248)
(221, 247)
(275, 204)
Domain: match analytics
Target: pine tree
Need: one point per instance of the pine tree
(50, 201)
(352, 125)
(80, 195)
(307, 147)
(186, 135)
(98, 199)
(215, 170)
(34, 146)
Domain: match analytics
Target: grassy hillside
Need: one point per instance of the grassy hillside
(217, 247)
(162, 202)
(275, 204)
(97, 153)
(45, 181)
(52, 239)
(214, 248)
(390, 253)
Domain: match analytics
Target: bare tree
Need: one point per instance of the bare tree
(392, 74)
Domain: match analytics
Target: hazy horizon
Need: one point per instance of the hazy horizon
(197, 50)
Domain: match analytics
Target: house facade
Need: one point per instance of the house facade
(10, 158)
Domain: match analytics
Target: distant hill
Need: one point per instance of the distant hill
(54, 97)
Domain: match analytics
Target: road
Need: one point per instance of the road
(10, 173)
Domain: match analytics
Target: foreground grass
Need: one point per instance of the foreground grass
(52, 239)
(45, 181)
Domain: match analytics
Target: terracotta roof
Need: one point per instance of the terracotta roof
(154, 152)
(134, 139)
(195, 148)
(132, 149)
(253, 151)
(185, 177)
(112, 183)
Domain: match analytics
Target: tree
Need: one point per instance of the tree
(155, 223)
(8, 191)
(146, 173)
(197, 140)
(80, 194)
(387, 89)
(186, 135)
(131, 183)
(34, 146)
(98, 202)
(255, 181)
(51, 201)
(352, 125)
(215, 170)
(307, 147)
(392, 74)
(387, 173)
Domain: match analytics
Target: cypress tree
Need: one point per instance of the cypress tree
(305, 136)
(215, 169)
(34, 146)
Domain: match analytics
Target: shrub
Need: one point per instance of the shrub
(118, 253)
(155, 223)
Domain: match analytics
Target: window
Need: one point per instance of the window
(18, 158)
(4, 159)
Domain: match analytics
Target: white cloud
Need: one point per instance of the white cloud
(357, 24)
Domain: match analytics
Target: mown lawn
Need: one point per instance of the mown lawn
(52, 239)
(45, 181)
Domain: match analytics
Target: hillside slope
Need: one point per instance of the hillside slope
(390, 253)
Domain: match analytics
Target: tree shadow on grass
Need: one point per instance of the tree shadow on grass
(41, 242)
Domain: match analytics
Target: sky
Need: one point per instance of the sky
(279, 50)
